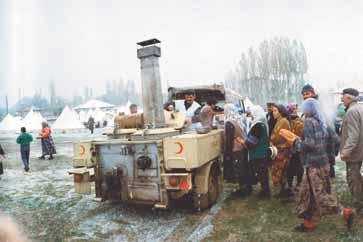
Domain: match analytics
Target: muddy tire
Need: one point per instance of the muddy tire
(204, 201)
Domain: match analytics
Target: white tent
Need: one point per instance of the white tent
(32, 121)
(93, 104)
(109, 117)
(10, 123)
(67, 120)
(98, 115)
(82, 116)
(89, 114)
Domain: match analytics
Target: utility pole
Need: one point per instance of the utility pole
(7, 104)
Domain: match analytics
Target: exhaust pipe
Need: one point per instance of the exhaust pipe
(152, 98)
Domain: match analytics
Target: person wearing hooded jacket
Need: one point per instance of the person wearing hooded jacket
(257, 144)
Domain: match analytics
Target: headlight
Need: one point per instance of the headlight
(144, 162)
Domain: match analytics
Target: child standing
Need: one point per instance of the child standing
(24, 140)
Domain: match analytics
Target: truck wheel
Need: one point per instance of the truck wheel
(213, 187)
(204, 201)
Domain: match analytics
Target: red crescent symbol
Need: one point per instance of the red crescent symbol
(82, 150)
(181, 148)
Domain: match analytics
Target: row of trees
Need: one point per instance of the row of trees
(274, 72)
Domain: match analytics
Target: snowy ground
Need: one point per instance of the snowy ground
(44, 203)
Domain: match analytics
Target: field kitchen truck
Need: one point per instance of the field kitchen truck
(151, 158)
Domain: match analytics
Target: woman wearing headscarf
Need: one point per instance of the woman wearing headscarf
(280, 163)
(294, 167)
(236, 166)
(315, 196)
(257, 144)
(48, 147)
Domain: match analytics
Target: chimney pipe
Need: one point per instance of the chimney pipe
(152, 98)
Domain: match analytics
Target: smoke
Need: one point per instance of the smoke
(9, 231)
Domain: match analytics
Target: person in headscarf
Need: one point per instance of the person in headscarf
(257, 142)
(270, 117)
(236, 166)
(169, 106)
(48, 147)
(207, 113)
(315, 197)
(295, 167)
(280, 163)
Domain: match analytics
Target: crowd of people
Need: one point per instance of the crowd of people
(303, 146)
(288, 144)
(292, 146)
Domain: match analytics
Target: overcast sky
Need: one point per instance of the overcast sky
(85, 42)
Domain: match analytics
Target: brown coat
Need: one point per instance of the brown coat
(276, 139)
(238, 134)
(352, 134)
(297, 125)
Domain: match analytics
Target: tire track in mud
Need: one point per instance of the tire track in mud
(198, 226)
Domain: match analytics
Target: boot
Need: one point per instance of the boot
(303, 229)
(42, 157)
(50, 157)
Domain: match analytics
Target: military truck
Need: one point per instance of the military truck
(158, 162)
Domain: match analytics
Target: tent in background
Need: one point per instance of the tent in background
(32, 121)
(98, 115)
(93, 104)
(67, 120)
(10, 123)
(83, 116)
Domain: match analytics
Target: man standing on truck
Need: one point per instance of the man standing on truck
(133, 109)
(190, 107)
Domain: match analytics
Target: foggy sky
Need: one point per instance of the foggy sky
(86, 42)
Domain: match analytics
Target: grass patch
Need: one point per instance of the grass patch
(251, 219)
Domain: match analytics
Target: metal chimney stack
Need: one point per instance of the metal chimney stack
(152, 98)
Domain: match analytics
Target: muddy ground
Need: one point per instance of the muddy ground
(44, 204)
